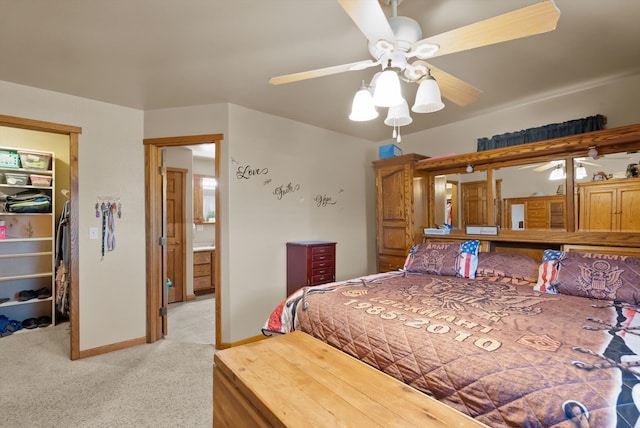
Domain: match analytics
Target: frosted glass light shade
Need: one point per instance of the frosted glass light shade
(428, 99)
(557, 174)
(581, 172)
(387, 92)
(362, 108)
(398, 115)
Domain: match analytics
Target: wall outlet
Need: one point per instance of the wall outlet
(94, 233)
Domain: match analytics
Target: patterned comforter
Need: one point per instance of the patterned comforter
(501, 353)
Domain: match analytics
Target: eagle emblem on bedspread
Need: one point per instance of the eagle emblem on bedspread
(493, 302)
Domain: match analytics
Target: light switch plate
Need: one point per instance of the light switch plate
(94, 233)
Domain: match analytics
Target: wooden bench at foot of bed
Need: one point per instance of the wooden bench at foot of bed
(295, 380)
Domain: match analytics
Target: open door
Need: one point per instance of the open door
(175, 234)
(155, 195)
(164, 300)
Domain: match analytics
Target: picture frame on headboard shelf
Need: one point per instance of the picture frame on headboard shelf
(482, 230)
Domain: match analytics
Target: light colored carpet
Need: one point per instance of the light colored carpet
(164, 384)
(193, 321)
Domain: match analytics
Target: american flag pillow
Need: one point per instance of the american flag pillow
(548, 272)
(444, 258)
(467, 261)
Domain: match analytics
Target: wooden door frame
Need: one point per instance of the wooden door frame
(74, 283)
(184, 173)
(153, 219)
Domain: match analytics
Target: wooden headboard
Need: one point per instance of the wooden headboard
(535, 250)
(624, 251)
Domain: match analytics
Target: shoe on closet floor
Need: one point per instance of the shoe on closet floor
(44, 321)
(30, 323)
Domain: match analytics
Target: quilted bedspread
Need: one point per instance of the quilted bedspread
(501, 353)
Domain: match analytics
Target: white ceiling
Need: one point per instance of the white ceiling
(150, 54)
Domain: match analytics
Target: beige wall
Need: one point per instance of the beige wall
(255, 224)
(111, 163)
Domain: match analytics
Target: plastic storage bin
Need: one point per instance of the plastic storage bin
(16, 179)
(9, 159)
(40, 180)
(34, 160)
(389, 151)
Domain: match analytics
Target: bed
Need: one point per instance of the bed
(506, 339)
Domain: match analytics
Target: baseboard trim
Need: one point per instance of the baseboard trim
(191, 297)
(92, 352)
(226, 345)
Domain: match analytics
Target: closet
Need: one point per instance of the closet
(27, 241)
(35, 157)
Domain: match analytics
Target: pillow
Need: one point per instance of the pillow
(444, 258)
(505, 267)
(598, 276)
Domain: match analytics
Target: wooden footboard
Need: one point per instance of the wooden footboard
(296, 380)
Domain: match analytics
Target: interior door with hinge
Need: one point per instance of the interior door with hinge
(162, 242)
(175, 234)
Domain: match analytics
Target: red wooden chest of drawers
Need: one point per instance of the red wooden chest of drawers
(310, 263)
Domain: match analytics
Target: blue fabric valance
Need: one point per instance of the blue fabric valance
(546, 132)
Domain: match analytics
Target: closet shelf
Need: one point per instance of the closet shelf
(13, 240)
(19, 255)
(26, 302)
(29, 276)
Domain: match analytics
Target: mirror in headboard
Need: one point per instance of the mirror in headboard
(460, 199)
(524, 172)
(533, 196)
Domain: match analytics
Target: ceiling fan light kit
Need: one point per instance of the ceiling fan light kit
(557, 173)
(396, 40)
(387, 92)
(581, 172)
(398, 115)
(428, 98)
(362, 108)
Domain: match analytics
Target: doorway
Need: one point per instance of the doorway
(74, 284)
(156, 257)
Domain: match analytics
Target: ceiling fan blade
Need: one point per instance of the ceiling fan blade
(303, 75)
(454, 89)
(528, 21)
(588, 163)
(530, 166)
(546, 166)
(370, 19)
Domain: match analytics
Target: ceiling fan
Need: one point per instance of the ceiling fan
(397, 43)
(556, 163)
